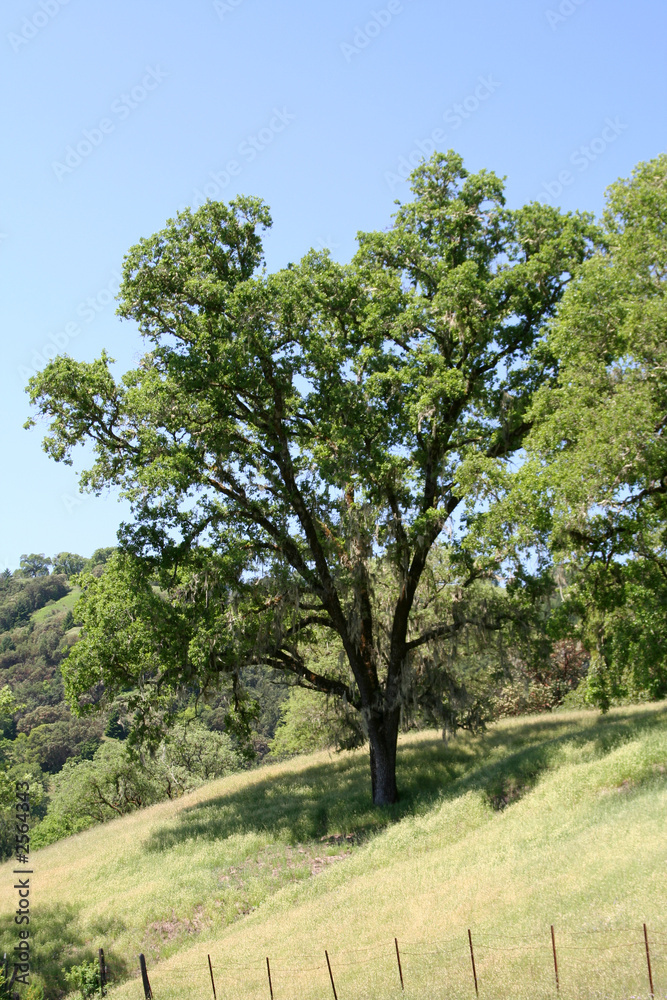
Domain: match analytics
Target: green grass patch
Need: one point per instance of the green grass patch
(56, 608)
(555, 819)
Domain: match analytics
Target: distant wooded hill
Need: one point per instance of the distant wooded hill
(39, 735)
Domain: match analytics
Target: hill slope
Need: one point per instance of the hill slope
(546, 820)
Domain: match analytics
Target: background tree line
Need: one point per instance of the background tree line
(80, 769)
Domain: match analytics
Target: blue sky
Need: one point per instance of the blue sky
(118, 114)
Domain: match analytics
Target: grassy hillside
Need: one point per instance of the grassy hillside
(56, 608)
(554, 819)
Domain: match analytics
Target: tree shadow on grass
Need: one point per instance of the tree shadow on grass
(57, 942)
(333, 798)
(522, 756)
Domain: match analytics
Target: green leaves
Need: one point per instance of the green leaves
(83, 401)
(179, 280)
(599, 425)
(118, 780)
(598, 442)
(296, 427)
(132, 640)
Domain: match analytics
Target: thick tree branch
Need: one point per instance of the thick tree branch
(447, 630)
(293, 664)
(286, 545)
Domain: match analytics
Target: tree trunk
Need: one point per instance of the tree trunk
(383, 736)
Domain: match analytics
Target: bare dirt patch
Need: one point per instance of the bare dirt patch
(173, 927)
(288, 864)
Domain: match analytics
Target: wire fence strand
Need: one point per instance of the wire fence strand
(624, 940)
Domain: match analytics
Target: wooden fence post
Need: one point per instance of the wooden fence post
(268, 970)
(648, 960)
(333, 985)
(103, 972)
(148, 993)
(553, 945)
(210, 969)
(398, 959)
(472, 959)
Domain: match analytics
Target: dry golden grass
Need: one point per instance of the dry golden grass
(557, 819)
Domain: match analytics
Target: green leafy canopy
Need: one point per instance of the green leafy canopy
(598, 453)
(286, 432)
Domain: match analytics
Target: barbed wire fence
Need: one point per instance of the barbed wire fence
(229, 978)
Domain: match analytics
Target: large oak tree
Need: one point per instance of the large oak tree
(287, 434)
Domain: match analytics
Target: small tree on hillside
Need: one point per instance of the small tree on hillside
(68, 563)
(285, 434)
(34, 564)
